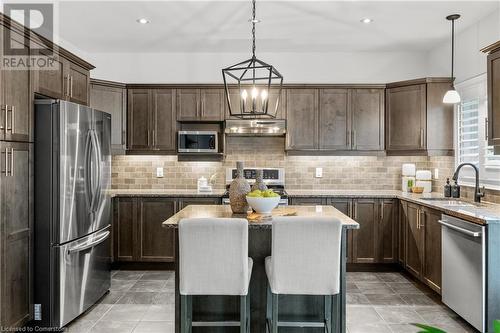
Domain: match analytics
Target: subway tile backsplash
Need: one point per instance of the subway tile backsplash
(339, 172)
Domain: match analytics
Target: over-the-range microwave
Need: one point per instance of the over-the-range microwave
(197, 142)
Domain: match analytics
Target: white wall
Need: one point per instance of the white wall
(469, 60)
(355, 67)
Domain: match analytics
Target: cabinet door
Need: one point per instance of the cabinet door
(402, 232)
(184, 202)
(308, 201)
(406, 118)
(138, 120)
(155, 242)
(112, 100)
(164, 123)
(188, 104)
(344, 206)
(125, 229)
(334, 120)
(432, 248)
(79, 83)
(302, 119)
(16, 206)
(212, 104)
(17, 101)
(367, 110)
(52, 83)
(413, 240)
(387, 231)
(365, 239)
(494, 99)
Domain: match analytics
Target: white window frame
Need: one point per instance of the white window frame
(489, 175)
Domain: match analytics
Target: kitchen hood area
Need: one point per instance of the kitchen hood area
(255, 127)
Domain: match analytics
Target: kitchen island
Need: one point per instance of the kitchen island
(295, 308)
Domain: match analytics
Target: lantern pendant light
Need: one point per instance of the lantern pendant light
(452, 96)
(253, 80)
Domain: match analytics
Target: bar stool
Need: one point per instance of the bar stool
(305, 261)
(213, 260)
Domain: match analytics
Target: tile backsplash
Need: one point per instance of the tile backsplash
(339, 172)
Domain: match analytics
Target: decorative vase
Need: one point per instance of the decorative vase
(238, 191)
(259, 181)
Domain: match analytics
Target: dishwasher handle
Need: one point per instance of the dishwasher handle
(461, 230)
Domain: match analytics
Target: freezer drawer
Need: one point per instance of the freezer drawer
(84, 274)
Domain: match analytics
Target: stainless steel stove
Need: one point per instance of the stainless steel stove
(274, 178)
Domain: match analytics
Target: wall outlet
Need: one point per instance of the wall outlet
(319, 172)
(159, 172)
(436, 173)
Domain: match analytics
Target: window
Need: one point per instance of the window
(471, 135)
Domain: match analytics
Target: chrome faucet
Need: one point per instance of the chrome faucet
(477, 192)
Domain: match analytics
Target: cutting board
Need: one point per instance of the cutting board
(285, 211)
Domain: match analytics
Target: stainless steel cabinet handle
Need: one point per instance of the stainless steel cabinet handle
(12, 116)
(422, 219)
(422, 138)
(67, 86)
(354, 141)
(154, 138)
(350, 209)
(4, 122)
(348, 138)
(12, 162)
(381, 210)
(459, 229)
(147, 133)
(418, 218)
(6, 160)
(71, 86)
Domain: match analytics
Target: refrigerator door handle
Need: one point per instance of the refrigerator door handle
(97, 155)
(86, 246)
(88, 171)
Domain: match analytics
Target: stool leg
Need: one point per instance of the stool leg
(335, 313)
(248, 312)
(274, 316)
(269, 302)
(328, 314)
(190, 313)
(183, 324)
(243, 314)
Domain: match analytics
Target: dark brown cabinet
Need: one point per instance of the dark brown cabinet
(493, 65)
(417, 121)
(78, 82)
(15, 99)
(387, 239)
(111, 97)
(313, 201)
(151, 120)
(421, 238)
(365, 239)
(16, 218)
(205, 104)
(344, 206)
(302, 119)
(138, 232)
(335, 119)
(184, 202)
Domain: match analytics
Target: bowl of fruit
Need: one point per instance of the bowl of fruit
(263, 202)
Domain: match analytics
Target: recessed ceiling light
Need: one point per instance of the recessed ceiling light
(366, 20)
(143, 21)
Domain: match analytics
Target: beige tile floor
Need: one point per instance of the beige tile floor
(143, 301)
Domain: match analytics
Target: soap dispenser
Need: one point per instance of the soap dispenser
(455, 190)
(447, 188)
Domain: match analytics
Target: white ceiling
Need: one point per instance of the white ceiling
(287, 26)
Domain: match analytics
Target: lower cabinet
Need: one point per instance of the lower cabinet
(420, 236)
(138, 232)
(308, 201)
(16, 219)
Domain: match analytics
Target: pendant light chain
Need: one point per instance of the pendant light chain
(253, 28)
(452, 46)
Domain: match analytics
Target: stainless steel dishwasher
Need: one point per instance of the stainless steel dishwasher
(464, 269)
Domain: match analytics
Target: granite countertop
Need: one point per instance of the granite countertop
(164, 193)
(224, 211)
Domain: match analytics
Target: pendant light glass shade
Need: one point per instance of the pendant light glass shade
(253, 87)
(452, 96)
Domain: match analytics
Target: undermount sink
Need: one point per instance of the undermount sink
(451, 202)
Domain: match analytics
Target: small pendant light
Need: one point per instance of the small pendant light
(452, 96)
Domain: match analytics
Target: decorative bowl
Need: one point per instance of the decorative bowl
(417, 189)
(263, 205)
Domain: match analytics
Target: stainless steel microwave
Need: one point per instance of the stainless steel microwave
(197, 142)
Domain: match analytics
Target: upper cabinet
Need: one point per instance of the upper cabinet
(493, 62)
(205, 104)
(417, 121)
(111, 97)
(151, 121)
(335, 119)
(16, 113)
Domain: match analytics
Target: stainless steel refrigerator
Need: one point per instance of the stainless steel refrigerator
(72, 210)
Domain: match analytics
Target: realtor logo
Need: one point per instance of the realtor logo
(21, 53)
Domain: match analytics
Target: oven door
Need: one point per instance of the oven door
(197, 142)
